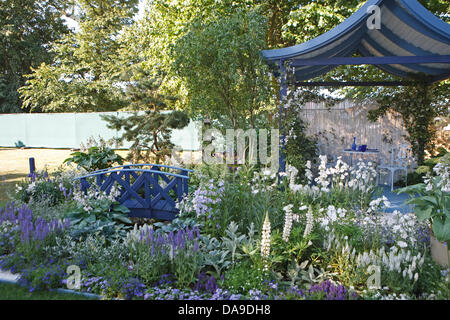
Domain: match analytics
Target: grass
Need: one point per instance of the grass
(9, 291)
(14, 165)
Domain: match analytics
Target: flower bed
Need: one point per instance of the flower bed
(240, 234)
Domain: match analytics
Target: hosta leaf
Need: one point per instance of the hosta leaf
(430, 199)
(122, 218)
(441, 229)
(121, 208)
(423, 213)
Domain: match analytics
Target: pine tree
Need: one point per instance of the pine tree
(150, 129)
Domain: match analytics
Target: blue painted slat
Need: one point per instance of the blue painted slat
(179, 190)
(134, 170)
(414, 66)
(416, 20)
(147, 190)
(371, 60)
(32, 166)
(130, 190)
(129, 166)
(162, 193)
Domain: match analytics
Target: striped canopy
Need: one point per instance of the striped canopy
(407, 30)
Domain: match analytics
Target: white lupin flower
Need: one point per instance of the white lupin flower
(265, 241)
(309, 223)
(287, 222)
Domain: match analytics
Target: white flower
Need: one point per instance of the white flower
(265, 240)
(309, 223)
(402, 244)
(287, 222)
(31, 187)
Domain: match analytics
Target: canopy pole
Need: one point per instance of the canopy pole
(283, 94)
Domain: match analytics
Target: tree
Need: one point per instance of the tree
(27, 28)
(85, 74)
(222, 69)
(150, 130)
(418, 105)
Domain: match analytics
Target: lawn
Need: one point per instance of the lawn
(14, 165)
(9, 291)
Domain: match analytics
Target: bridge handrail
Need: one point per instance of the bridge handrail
(132, 170)
(142, 165)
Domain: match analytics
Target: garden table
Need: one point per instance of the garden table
(362, 153)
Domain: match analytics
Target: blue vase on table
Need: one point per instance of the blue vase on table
(354, 144)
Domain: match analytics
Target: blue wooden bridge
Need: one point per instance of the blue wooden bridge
(145, 189)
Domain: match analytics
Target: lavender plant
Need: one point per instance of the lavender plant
(157, 253)
(27, 233)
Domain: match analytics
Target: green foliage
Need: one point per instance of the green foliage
(27, 29)
(223, 71)
(7, 235)
(86, 70)
(96, 158)
(429, 164)
(44, 276)
(431, 202)
(150, 133)
(418, 175)
(238, 203)
(300, 148)
(310, 19)
(186, 266)
(295, 250)
(106, 218)
(40, 190)
(153, 259)
(244, 277)
(10, 291)
(19, 144)
(114, 275)
(418, 105)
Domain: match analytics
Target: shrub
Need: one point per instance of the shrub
(95, 155)
(44, 276)
(98, 212)
(40, 188)
(245, 277)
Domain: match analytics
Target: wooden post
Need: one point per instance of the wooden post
(283, 94)
(32, 166)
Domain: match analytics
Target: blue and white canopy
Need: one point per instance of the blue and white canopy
(408, 37)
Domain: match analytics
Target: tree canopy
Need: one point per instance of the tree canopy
(28, 28)
(85, 74)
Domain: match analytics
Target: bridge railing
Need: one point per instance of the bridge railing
(101, 177)
(148, 193)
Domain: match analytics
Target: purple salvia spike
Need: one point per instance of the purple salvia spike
(197, 231)
(179, 237)
(195, 246)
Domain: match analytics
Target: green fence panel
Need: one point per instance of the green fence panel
(68, 130)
